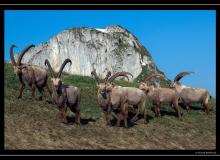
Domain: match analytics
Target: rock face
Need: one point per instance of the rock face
(113, 48)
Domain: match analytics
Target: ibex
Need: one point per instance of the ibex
(160, 95)
(120, 97)
(189, 95)
(64, 96)
(102, 98)
(30, 75)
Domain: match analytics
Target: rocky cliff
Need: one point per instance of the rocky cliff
(113, 48)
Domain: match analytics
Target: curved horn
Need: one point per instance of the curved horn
(23, 53)
(107, 76)
(112, 78)
(96, 76)
(12, 55)
(151, 76)
(181, 75)
(50, 68)
(63, 65)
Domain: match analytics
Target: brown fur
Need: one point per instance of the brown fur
(64, 96)
(189, 95)
(29, 75)
(161, 95)
(118, 98)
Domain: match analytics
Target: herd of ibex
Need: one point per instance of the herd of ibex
(110, 97)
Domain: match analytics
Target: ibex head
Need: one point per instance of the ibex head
(144, 85)
(178, 77)
(105, 85)
(18, 66)
(55, 77)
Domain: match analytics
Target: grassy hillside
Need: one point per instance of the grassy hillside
(35, 125)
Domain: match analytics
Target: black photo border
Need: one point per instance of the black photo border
(107, 7)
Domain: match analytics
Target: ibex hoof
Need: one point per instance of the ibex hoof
(145, 122)
(107, 124)
(64, 122)
(206, 113)
(133, 120)
(77, 123)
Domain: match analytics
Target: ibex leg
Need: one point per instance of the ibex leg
(158, 110)
(206, 108)
(105, 116)
(205, 103)
(188, 108)
(145, 116)
(118, 116)
(33, 92)
(176, 107)
(155, 110)
(109, 115)
(125, 114)
(41, 93)
(63, 114)
(137, 114)
(77, 117)
(77, 114)
(21, 89)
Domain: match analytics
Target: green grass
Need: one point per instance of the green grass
(35, 125)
